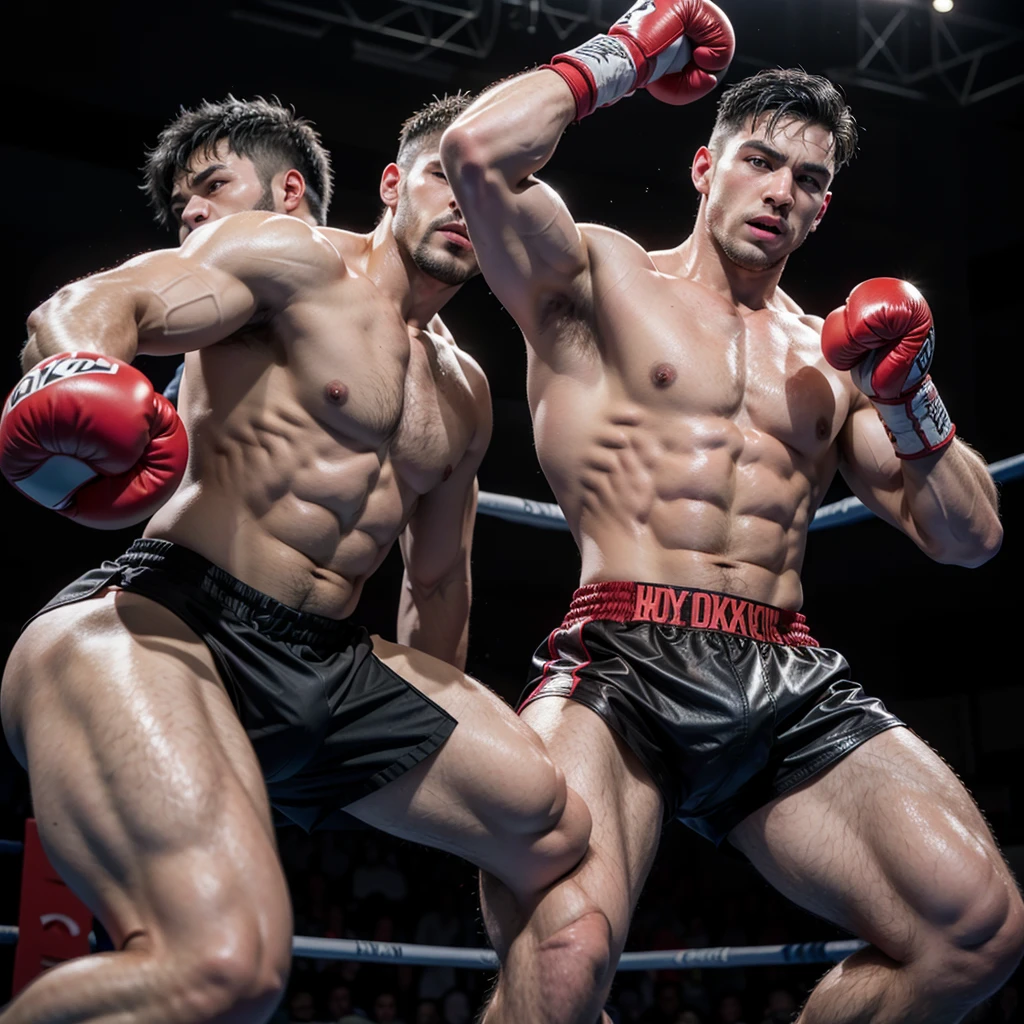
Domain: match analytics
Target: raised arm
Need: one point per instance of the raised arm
(177, 300)
(433, 614)
(528, 246)
(530, 250)
(898, 451)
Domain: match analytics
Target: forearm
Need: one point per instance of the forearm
(436, 621)
(513, 128)
(89, 316)
(951, 500)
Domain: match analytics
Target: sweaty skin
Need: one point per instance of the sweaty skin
(707, 468)
(683, 412)
(317, 421)
(329, 413)
(689, 428)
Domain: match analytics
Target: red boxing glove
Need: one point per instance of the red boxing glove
(670, 47)
(884, 336)
(87, 435)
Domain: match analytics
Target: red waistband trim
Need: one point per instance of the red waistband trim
(698, 609)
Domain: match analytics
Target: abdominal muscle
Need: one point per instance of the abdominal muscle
(287, 506)
(689, 501)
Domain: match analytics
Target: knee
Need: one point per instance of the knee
(550, 823)
(575, 964)
(982, 945)
(236, 976)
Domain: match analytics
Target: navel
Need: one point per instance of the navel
(663, 375)
(335, 392)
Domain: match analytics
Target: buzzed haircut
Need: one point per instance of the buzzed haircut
(263, 131)
(427, 122)
(788, 93)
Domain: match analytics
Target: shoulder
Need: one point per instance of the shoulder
(603, 242)
(263, 244)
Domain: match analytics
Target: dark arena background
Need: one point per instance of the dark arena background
(934, 196)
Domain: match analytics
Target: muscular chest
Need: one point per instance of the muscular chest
(349, 356)
(438, 415)
(684, 352)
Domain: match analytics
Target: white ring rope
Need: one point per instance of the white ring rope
(452, 956)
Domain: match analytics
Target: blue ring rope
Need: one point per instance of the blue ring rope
(548, 515)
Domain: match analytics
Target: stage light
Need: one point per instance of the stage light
(943, 6)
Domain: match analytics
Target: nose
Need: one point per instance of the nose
(196, 212)
(778, 190)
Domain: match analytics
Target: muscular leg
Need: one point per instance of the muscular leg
(150, 804)
(491, 794)
(559, 956)
(889, 845)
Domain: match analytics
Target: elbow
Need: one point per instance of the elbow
(31, 352)
(470, 159)
(986, 546)
(974, 551)
(456, 146)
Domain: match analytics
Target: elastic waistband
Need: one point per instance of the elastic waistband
(260, 611)
(697, 609)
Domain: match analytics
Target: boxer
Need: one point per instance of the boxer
(689, 417)
(166, 701)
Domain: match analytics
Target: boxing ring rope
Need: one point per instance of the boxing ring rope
(486, 959)
(850, 510)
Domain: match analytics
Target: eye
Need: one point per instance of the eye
(758, 161)
(214, 184)
(441, 175)
(810, 183)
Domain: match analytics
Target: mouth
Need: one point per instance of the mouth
(455, 232)
(766, 227)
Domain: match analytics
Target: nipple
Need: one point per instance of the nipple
(336, 392)
(663, 375)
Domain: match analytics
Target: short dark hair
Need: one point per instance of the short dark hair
(789, 93)
(427, 122)
(264, 131)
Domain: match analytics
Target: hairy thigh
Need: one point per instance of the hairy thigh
(886, 843)
(144, 785)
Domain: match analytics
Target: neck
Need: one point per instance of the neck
(705, 261)
(418, 296)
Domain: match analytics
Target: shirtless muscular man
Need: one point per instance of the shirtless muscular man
(689, 417)
(164, 702)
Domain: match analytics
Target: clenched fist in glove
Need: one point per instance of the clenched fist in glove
(671, 48)
(87, 435)
(885, 338)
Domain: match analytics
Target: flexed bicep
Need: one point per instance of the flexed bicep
(177, 300)
(527, 243)
(245, 266)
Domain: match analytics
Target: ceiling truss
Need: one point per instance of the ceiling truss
(902, 47)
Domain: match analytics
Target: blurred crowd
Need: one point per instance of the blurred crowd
(364, 884)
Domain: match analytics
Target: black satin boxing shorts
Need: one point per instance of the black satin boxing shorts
(727, 703)
(329, 722)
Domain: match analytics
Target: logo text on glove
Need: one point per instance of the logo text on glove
(50, 372)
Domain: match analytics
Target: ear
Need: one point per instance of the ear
(389, 182)
(294, 186)
(700, 170)
(821, 213)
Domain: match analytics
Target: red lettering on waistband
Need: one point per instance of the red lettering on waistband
(698, 609)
